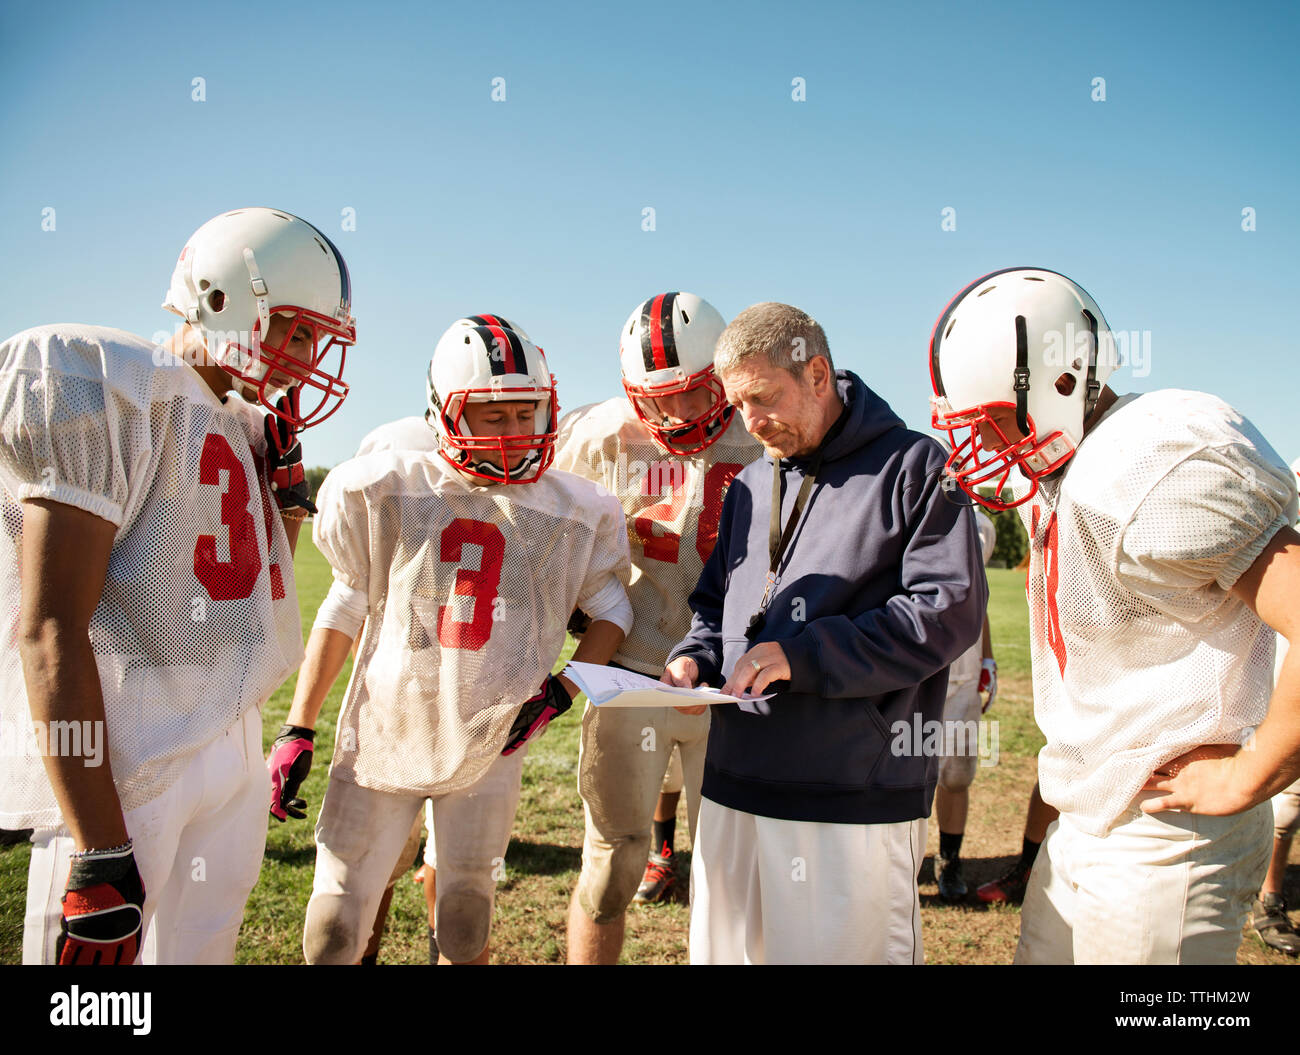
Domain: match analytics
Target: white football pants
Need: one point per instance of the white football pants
(775, 891)
(198, 846)
(1163, 888)
(359, 837)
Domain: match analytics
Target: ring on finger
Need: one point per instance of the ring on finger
(754, 663)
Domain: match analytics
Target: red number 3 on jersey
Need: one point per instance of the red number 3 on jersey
(481, 585)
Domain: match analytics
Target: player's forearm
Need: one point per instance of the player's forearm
(1269, 586)
(292, 526)
(1270, 760)
(327, 651)
(63, 687)
(598, 645)
(986, 641)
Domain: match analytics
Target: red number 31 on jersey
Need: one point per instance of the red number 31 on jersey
(233, 579)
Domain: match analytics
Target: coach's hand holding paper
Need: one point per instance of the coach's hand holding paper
(614, 687)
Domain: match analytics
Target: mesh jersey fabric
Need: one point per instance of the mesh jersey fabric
(469, 591)
(1140, 653)
(671, 503)
(969, 664)
(198, 621)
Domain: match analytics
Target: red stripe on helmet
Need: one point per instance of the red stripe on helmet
(657, 334)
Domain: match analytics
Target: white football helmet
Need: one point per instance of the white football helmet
(1023, 340)
(243, 267)
(492, 319)
(469, 322)
(489, 362)
(666, 349)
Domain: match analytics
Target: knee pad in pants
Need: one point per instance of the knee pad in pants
(610, 875)
(462, 922)
(332, 932)
(956, 773)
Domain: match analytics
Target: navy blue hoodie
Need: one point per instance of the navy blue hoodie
(880, 589)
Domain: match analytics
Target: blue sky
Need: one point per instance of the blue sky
(532, 207)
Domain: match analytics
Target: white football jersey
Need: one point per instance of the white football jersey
(1140, 653)
(671, 503)
(198, 621)
(404, 434)
(969, 664)
(469, 591)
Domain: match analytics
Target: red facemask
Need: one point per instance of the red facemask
(689, 437)
(541, 445)
(267, 368)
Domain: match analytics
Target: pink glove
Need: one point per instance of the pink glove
(551, 701)
(289, 764)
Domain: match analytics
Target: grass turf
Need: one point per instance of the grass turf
(545, 850)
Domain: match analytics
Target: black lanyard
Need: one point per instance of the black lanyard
(777, 540)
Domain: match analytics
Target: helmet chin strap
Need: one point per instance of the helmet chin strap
(1021, 377)
(497, 473)
(1092, 390)
(711, 429)
(1092, 387)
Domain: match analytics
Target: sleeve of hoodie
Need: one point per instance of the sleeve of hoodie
(704, 642)
(937, 614)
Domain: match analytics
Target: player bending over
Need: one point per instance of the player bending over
(149, 585)
(1161, 553)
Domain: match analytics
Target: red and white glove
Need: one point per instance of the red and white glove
(103, 910)
(551, 701)
(284, 458)
(989, 682)
(290, 762)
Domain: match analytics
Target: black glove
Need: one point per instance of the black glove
(103, 911)
(551, 702)
(290, 762)
(284, 458)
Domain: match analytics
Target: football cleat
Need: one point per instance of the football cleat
(1269, 920)
(1008, 889)
(952, 886)
(659, 881)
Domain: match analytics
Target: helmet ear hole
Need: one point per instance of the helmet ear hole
(216, 301)
(1065, 384)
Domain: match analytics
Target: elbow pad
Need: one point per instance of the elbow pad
(343, 609)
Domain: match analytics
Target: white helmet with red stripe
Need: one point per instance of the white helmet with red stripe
(1024, 344)
(480, 359)
(666, 349)
(243, 267)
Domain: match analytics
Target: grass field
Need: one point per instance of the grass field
(545, 851)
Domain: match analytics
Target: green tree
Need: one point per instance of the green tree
(1012, 543)
(315, 477)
